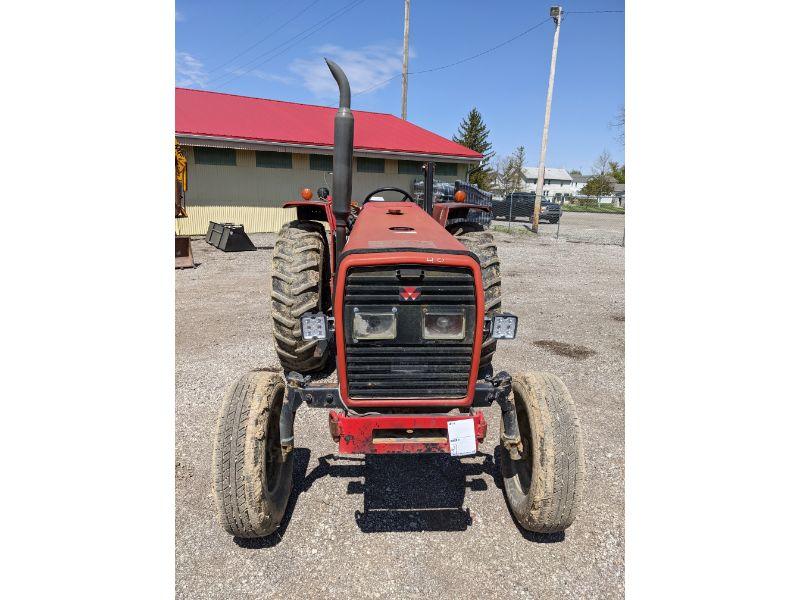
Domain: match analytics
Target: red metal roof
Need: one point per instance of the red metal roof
(226, 116)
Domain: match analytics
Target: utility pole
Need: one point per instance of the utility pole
(404, 111)
(556, 12)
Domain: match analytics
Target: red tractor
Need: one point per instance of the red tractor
(406, 301)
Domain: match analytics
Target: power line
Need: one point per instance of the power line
(590, 12)
(492, 49)
(287, 45)
(458, 62)
(271, 33)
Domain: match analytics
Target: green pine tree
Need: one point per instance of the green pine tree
(473, 133)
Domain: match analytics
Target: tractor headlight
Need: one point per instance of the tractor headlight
(314, 326)
(443, 324)
(374, 324)
(504, 326)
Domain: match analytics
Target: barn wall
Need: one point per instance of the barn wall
(250, 195)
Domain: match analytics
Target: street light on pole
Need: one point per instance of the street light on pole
(556, 12)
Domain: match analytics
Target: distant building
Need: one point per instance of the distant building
(619, 194)
(557, 182)
(578, 181)
(617, 197)
(247, 156)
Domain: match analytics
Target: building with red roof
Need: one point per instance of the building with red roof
(249, 155)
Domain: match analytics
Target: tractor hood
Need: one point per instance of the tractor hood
(387, 226)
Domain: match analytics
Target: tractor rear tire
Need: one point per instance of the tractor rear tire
(299, 280)
(481, 243)
(545, 488)
(252, 477)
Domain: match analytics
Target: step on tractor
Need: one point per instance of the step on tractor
(403, 297)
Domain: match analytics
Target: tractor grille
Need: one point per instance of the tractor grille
(409, 366)
(437, 285)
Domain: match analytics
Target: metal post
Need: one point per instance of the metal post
(555, 12)
(403, 110)
(429, 169)
(560, 214)
(510, 211)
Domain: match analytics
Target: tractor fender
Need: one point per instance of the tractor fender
(313, 210)
(317, 210)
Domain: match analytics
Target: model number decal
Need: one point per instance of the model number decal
(436, 259)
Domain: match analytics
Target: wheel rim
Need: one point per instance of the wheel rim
(273, 459)
(523, 468)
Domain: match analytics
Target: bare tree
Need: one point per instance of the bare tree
(619, 124)
(508, 174)
(601, 166)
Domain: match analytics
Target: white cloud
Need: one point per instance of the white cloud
(179, 16)
(189, 71)
(365, 67)
(285, 79)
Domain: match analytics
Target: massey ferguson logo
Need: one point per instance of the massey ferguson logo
(409, 293)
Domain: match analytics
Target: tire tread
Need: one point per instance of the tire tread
(557, 484)
(298, 271)
(481, 243)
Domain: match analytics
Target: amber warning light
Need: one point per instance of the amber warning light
(305, 193)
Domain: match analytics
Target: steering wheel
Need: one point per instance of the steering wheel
(406, 196)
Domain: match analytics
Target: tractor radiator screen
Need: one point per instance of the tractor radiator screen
(410, 365)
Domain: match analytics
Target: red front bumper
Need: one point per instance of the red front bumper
(397, 434)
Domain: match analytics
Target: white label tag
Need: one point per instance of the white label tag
(462, 437)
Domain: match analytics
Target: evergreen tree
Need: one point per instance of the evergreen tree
(473, 133)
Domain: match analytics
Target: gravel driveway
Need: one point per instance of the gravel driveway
(416, 526)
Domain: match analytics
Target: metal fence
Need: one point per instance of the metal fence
(475, 195)
(445, 192)
(514, 206)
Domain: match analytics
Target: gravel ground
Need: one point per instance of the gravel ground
(419, 526)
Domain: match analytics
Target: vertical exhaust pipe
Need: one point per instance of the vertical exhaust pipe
(342, 157)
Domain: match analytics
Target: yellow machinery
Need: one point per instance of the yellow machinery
(183, 244)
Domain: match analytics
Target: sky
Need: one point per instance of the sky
(274, 49)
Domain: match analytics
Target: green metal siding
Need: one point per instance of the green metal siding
(274, 160)
(409, 167)
(444, 169)
(215, 156)
(370, 165)
(321, 162)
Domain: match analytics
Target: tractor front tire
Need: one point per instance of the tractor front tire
(481, 243)
(252, 477)
(298, 286)
(545, 488)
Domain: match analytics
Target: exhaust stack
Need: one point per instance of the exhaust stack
(342, 157)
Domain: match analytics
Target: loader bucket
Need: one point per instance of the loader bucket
(228, 237)
(183, 252)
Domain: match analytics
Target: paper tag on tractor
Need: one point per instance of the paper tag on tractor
(462, 437)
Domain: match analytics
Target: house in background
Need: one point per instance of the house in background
(557, 182)
(578, 181)
(619, 194)
(247, 156)
(617, 197)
